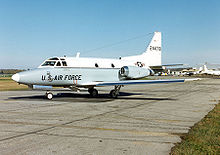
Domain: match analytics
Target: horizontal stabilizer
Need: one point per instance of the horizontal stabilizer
(172, 65)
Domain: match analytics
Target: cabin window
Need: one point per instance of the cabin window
(96, 65)
(58, 64)
(64, 63)
(49, 63)
(113, 66)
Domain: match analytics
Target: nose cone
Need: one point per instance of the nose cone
(16, 77)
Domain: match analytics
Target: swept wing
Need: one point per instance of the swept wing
(133, 82)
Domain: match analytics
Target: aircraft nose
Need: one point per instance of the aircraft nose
(16, 77)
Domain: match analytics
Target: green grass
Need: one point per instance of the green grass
(203, 138)
(6, 75)
(6, 84)
(5, 79)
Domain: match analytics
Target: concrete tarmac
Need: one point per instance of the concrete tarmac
(145, 119)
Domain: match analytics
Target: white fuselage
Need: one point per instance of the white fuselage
(151, 57)
(95, 63)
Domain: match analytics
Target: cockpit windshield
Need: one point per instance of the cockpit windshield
(49, 63)
(55, 61)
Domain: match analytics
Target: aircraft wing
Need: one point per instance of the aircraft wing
(133, 82)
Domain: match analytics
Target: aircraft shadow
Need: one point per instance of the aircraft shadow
(87, 98)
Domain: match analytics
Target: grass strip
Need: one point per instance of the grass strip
(203, 137)
(7, 84)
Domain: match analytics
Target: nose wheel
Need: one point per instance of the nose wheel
(49, 95)
(93, 92)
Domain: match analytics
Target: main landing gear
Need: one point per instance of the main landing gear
(49, 95)
(93, 92)
(114, 93)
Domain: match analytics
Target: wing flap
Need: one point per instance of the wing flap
(133, 82)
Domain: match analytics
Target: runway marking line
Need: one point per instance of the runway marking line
(93, 128)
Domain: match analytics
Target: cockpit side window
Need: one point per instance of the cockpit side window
(58, 64)
(49, 63)
(64, 63)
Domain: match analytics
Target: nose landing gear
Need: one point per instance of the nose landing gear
(49, 95)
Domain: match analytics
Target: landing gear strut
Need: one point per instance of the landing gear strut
(93, 92)
(114, 93)
(49, 95)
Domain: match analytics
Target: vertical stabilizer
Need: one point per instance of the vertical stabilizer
(205, 69)
(152, 55)
(155, 44)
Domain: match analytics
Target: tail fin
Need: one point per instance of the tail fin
(152, 55)
(153, 52)
(205, 68)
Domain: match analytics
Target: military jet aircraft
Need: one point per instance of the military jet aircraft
(76, 72)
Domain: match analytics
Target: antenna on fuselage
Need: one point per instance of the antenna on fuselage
(77, 54)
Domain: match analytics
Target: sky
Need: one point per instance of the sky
(31, 31)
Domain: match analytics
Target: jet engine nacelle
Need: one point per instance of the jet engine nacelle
(133, 72)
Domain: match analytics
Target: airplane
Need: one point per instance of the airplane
(205, 70)
(151, 57)
(76, 72)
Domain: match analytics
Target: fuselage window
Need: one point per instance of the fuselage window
(64, 63)
(58, 64)
(96, 65)
(113, 66)
(49, 63)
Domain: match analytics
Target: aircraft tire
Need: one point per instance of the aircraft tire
(93, 92)
(113, 94)
(49, 95)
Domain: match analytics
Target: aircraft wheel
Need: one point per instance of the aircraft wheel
(113, 94)
(49, 95)
(93, 92)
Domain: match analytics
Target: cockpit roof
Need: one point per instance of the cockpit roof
(54, 61)
(54, 58)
